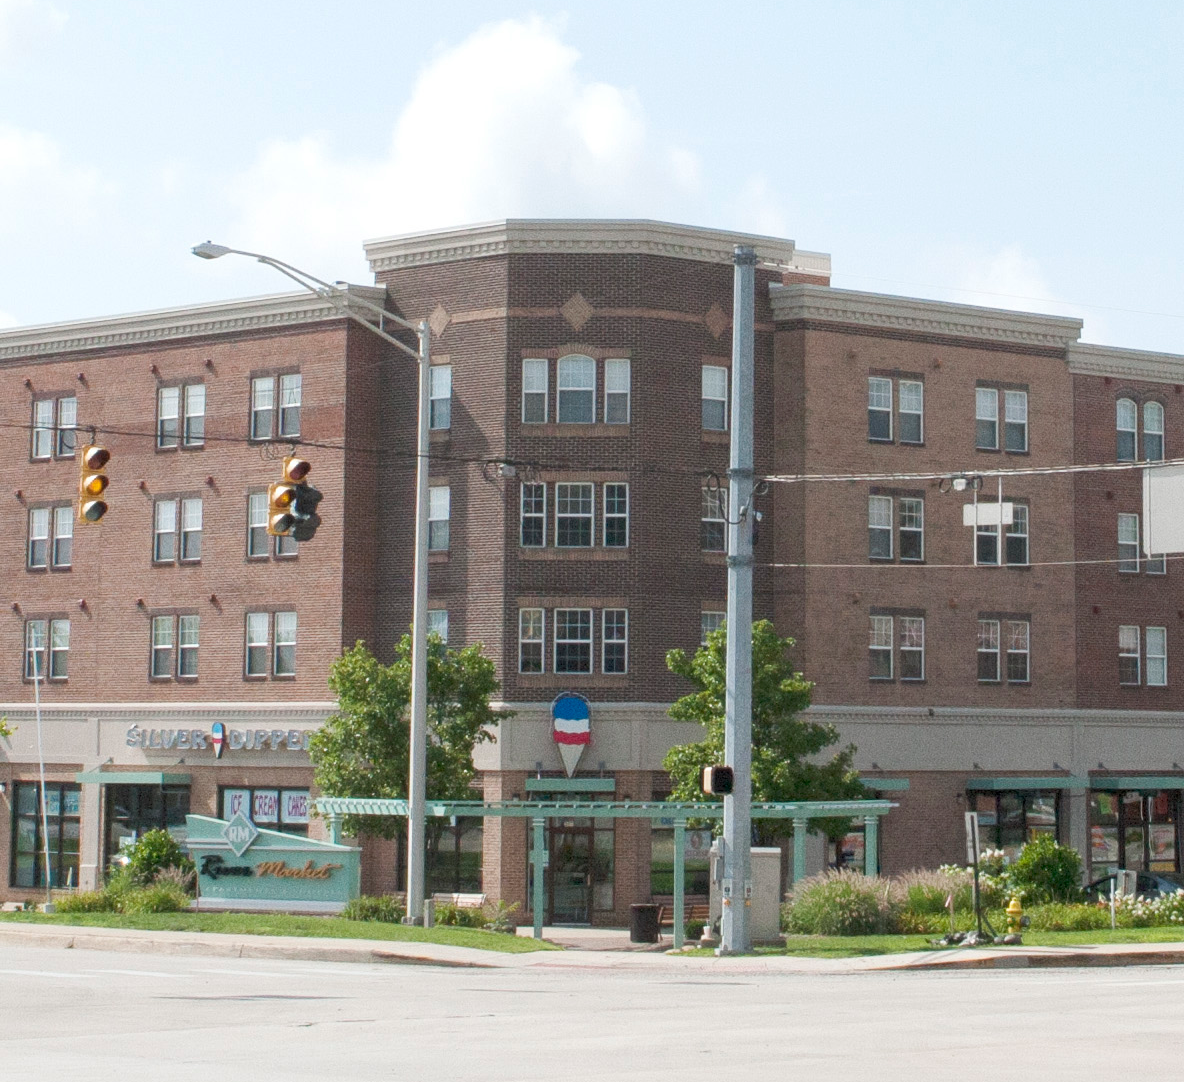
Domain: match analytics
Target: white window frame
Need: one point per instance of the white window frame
(534, 515)
(188, 642)
(59, 648)
(258, 638)
(911, 509)
(620, 631)
(44, 411)
(1126, 428)
(190, 539)
(915, 407)
(1020, 527)
(36, 649)
(881, 644)
(618, 398)
(66, 427)
(879, 406)
(37, 551)
(1153, 430)
(1128, 542)
(263, 405)
(709, 621)
(164, 524)
(1157, 659)
(1015, 420)
(168, 416)
(287, 412)
(562, 623)
(713, 389)
(194, 407)
(986, 411)
(439, 518)
(912, 643)
(257, 526)
(1130, 649)
(164, 644)
(537, 619)
(1017, 647)
(440, 397)
(535, 391)
(438, 623)
(576, 375)
(714, 509)
(982, 531)
(61, 550)
(879, 526)
(614, 517)
(993, 648)
(563, 499)
(285, 640)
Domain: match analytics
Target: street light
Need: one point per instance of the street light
(417, 780)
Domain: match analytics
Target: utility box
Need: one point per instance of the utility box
(764, 911)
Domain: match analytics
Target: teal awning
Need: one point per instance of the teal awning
(1115, 782)
(130, 777)
(1052, 781)
(570, 785)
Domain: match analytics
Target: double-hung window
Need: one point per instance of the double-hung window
(880, 648)
(181, 416)
(62, 550)
(714, 397)
(163, 646)
(533, 518)
(911, 394)
(261, 659)
(262, 407)
(879, 409)
(258, 643)
(1128, 544)
(191, 529)
(616, 391)
(284, 659)
(616, 515)
(986, 418)
(614, 640)
(912, 647)
(1157, 656)
(576, 396)
(55, 421)
(1126, 423)
(988, 651)
(1155, 650)
(1128, 655)
(573, 640)
(38, 553)
(438, 623)
(194, 430)
(534, 391)
(709, 622)
(258, 539)
(439, 515)
(531, 623)
(573, 515)
(879, 527)
(47, 649)
(440, 396)
(188, 627)
(1003, 651)
(165, 547)
(164, 533)
(1016, 536)
(1015, 420)
(713, 535)
(1152, 432)
(289, 405)
(912, 528)
(268, 421)
(1018, 634)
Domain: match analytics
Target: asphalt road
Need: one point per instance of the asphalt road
(97, 1016)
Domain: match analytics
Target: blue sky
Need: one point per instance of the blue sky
(1011, 154)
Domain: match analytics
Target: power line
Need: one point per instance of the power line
(886, 565)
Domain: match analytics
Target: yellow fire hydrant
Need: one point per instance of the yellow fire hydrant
(1015, 916)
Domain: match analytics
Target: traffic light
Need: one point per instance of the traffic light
(92, 482)
(292, 504)
(718, 780)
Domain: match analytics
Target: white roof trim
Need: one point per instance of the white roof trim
(167, 324)
(581, 236)
(1090, 360)
(823, 303)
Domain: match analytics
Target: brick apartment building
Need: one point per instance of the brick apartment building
(1033, 686)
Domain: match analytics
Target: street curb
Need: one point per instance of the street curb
(1074, 960)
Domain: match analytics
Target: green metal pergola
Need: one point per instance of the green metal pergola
(662, 812)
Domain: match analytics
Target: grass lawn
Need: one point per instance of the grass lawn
(821, 946)
(284, 924)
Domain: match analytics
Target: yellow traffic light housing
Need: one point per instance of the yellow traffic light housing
(283, 512)
(92, 482)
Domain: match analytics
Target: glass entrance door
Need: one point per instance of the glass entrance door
(570, 874)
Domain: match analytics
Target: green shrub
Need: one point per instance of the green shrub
(922, 891)
(151, 853)
(84, 901)
(1059, 917)
(156, 898)
(838, 903)
(497, 917)
(383, 907)
(693, 929)
(1047, 872)
(460, 916)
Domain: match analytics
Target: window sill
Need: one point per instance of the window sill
(438, 557)
(989, 450)
(718, 559)
(912, 443)
(715, 436)
(574, 680)
(562, 554)
(880, 440)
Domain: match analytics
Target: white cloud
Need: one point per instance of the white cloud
(24, 21)
(502, 125)
(7, 320)
(1007, 278)
(43, 191)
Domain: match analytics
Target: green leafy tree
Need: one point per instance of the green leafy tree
(362, 749)
(786, 750)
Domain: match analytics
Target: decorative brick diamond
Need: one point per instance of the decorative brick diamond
(717, 320)
(439, 319)
(577, 311)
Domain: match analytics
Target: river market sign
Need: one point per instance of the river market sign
(240, 866)
(219, 738)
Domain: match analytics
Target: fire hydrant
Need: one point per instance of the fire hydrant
(1015, 916)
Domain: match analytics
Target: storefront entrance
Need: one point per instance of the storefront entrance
(570, 879)
(1135, 830)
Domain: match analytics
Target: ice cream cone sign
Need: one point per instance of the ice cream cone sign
(571, 728)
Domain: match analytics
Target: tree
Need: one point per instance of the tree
(362, 749)
(785, 749)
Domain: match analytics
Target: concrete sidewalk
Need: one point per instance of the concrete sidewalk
(588, 953)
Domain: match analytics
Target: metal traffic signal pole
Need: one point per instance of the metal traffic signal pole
(345, 302)
(735, 936)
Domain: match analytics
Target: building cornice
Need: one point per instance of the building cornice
(1090, 360)
(297, 713)
(824, 304)
(576, 236)
(275, 311)
(972, 715)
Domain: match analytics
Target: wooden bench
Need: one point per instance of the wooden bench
(461, 901)
(700, 911)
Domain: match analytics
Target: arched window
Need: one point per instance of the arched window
(1152, 431)
(1127, 423)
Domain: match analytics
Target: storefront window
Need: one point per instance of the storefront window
(581, 871)
(133, 810)
(1146, 823)
(28, 842)
(454, 856)
(696, 858)
(285, 810)
(1009, 819)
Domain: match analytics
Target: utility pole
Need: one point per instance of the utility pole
(737, 836)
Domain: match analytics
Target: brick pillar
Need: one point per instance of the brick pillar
(505, 844)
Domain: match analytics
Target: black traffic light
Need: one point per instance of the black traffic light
(92, 482)
(718, 780)
(292, 504)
